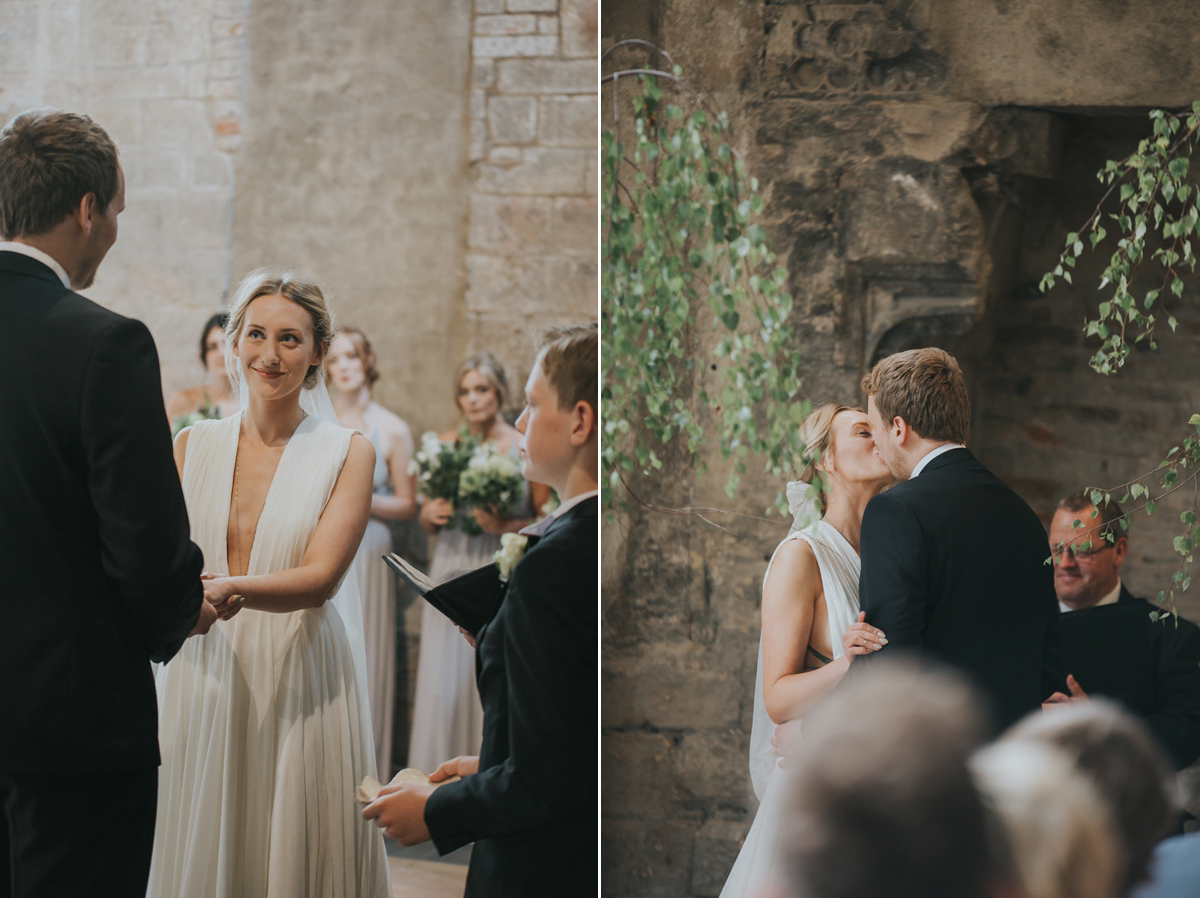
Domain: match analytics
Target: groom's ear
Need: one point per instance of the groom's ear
(900, 430)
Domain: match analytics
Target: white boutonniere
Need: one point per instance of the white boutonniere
(512, 547)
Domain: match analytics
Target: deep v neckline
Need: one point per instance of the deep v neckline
(267, 500)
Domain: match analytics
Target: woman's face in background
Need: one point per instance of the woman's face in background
(477, 398)
(214, 351)
(347, 372)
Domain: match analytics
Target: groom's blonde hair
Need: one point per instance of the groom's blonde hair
(925, 387)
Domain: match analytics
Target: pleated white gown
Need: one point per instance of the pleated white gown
(263, 734)
(760, 868)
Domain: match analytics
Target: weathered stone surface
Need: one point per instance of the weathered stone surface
(911, 205)
(717, 845)
(647, 859)
(547, 76)
(580, 21)
(568, 121)
(512, 120)
(542, 170)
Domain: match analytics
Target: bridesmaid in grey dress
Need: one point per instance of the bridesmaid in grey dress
(447, 715)
(351, 373)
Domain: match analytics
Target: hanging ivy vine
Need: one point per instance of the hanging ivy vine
(684, 265)
(1155, 228)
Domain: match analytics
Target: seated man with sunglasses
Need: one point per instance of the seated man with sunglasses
(1110, 645)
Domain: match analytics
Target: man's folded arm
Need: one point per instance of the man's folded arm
(135, 489)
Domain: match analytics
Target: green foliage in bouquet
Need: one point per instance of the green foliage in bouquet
(438, 465)
(491, 481)
(207, 411)
(1156, 235)
(679, 236)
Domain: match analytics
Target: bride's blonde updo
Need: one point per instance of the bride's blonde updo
(816, 430)
(290, 286)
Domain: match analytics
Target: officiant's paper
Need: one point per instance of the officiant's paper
(369, 790)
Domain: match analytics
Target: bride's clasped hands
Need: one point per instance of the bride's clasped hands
(219, 592)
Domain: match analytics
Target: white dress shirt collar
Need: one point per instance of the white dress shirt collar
(1110, 599)
(34, 253)
(934, 453)
(537, 528)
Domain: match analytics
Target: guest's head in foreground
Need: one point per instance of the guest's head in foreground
(278, 334)
(480, 391)
(1054, 836)
(916, 400)
(883, 802)
(61, 189)
(1113, 750)
(840, 451)
(1087, 558)
(559, 425)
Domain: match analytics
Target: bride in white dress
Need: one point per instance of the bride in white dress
(264, 728)
(811, 626)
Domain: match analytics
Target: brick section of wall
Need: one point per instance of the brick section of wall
(164, 81)
(531, 237)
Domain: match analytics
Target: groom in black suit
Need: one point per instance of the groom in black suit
(529, 801)
(953, 561)
(99, 576)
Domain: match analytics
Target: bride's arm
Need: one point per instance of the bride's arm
(330, 549)
(788, 607)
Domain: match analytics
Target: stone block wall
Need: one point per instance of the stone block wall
(531, 233)
(163, 79)
(921, 164)
(430, 166)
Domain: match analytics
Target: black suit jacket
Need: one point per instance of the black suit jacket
(531, 809)
(1171, 710)
(97, 574)
(954, 567)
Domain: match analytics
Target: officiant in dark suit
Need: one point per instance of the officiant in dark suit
(99, 576)
(529, 801)
(1111, 647)
(953, 561)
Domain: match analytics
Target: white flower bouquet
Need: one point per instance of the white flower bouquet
(438, 465)
(490, 481)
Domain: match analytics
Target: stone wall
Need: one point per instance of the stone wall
(921, 162)
(531, 238)
(164, 80)
(429, 164)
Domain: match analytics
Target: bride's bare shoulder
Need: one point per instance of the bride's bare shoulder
(794, 569)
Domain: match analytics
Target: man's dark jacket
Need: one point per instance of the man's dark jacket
(1173, 715)
(97, 574)
(531, 810)
(954, 568)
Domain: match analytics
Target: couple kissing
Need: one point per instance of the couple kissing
(885, 572)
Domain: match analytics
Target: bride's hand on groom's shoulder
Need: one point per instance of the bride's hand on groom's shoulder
(861, 638)
(463, 765)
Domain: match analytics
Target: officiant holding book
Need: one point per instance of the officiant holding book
(528, 802)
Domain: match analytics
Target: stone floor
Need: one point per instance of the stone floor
(418, 872)
(426, 879)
